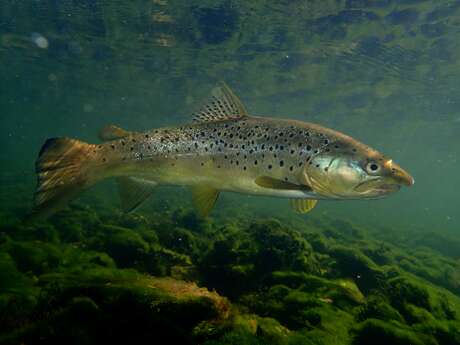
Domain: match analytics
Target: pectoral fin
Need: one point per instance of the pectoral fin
(133, 192)
(303, 205)
(273, 183)
(204, 199)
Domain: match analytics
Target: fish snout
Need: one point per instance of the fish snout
(399, 174)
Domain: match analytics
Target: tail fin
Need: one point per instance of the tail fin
(62, 172)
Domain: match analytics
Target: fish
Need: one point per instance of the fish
(222, 149)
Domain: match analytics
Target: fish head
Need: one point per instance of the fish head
(347, 169)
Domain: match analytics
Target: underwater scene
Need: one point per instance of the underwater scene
(217, 172)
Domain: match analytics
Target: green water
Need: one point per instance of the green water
(383, 71)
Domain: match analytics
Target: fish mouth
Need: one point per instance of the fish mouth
(375, 188)
(388, 188)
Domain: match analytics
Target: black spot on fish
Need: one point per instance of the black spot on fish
(281, 163)
(269, 167)
(291, 168)
(255, 162)
(112, 146)
(147, 136)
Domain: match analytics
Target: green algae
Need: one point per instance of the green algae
(286, 284)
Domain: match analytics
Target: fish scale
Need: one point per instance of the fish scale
(223, 149)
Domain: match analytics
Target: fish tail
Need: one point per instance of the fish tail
(63, 170)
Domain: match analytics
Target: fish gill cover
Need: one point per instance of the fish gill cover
(253, 272)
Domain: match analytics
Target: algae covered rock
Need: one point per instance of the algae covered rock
(124, 245)
(106, 305)
(382, 333)
(352, 263)
(245, 257)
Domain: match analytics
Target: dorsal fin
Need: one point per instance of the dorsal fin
(223, 104)
(112, 132)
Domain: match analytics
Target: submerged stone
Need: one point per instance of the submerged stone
(433, 30)
(406, 16)
(368, 3)
(378, 332)
(109, 306)
(216, 24)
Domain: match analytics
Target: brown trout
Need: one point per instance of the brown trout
(223, 149)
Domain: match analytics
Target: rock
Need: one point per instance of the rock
(104, 305)
(433, 30)
(125, 246)
(378, 332)
(407, 16)
(216, 24)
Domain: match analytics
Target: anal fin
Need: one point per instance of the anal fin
(133, 192)
(303, 205)
(204, 199)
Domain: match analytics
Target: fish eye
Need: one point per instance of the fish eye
(372, 168)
